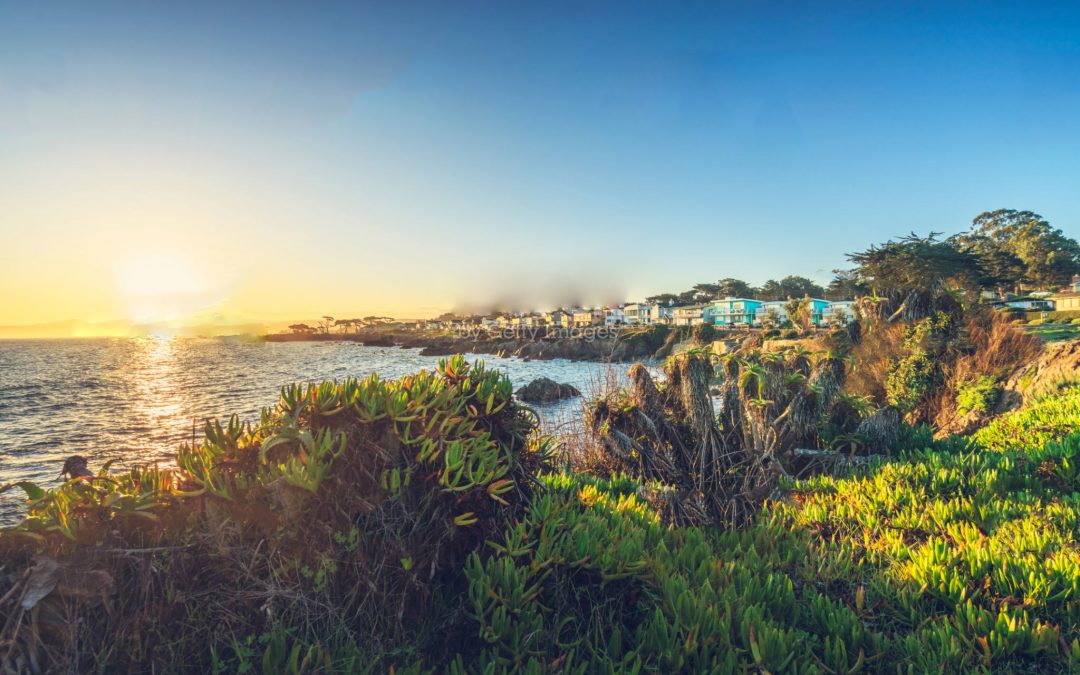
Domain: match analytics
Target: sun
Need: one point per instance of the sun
(161, 287)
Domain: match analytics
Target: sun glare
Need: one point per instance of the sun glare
(161, 287)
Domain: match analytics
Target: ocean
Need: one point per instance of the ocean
(136, 400)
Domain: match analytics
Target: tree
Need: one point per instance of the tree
(736, 288)
(301, 328)
(771, 290)
(369, 320)
(346, 324)
(912, 276)
(326, 323)
(795, 287)
(913, 262)
(664, 299)
(707, 291)
(799, 312)
(789, 287)
(1020, 248)
(845, 285)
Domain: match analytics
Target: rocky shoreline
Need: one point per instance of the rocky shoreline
(612, 346)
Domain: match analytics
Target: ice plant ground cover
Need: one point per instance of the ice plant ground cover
(421, 524)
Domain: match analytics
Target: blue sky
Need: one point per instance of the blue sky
(322, 157)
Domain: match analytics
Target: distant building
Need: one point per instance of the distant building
(839, 310)
(774, 308)
(582, 318)
(689, 315)
(637, 313)
(1026, 303)
(734, 311)
(558, 318)
(1068, 300)
(820, 310)
(661, 314)
(614, 316)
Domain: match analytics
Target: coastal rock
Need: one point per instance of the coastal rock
(378, 341)
(546, 390)
(439, 350)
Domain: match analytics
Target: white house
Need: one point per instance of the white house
(637, 313)
(661, 314)
(840, 310)
(614, 316)
(773, 309)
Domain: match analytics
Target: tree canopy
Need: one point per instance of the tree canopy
(789, 287)
(1020, 249)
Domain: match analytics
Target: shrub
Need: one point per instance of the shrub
(910, 380)
(1052, 417)
(952, 557)
(340, 511)
(1038, 322)
(977, 396)
(704, 333)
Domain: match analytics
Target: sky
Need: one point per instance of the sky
(230, 164)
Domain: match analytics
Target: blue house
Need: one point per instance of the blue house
(819, 310)
(732, 312)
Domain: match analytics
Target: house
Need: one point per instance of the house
(690, 315)
(734, 311)
(819, 310)
(637, 314)
(581, 318)
(1068, 300)
(771, 311)
(1026, 304)
(558, 318)
(661, 314)
(614, 316)
(840, 310)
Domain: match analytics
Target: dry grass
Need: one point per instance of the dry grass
(876, 351)
(994, 348)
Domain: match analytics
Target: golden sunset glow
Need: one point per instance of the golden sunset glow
(161, 287)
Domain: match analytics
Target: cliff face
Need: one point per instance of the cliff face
(1058, 364)
(626, 346)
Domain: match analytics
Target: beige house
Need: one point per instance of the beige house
(1068, 300)
(691, 315)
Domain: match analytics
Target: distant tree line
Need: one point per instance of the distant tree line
(345, 326)
(788, 287)
(1004, 250)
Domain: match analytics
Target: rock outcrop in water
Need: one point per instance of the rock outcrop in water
(545, 390)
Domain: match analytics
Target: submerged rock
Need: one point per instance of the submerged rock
(545, 390)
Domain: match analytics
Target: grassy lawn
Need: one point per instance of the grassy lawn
(1055, 332)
